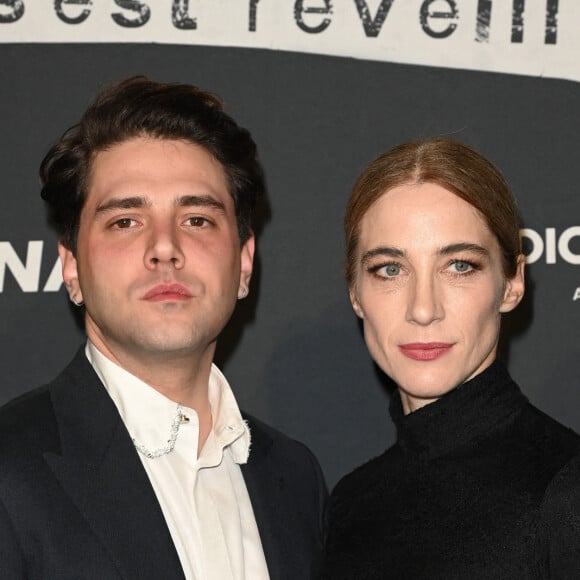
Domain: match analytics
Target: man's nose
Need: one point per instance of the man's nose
(164, 247)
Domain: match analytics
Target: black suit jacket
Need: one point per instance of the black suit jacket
(76, 502)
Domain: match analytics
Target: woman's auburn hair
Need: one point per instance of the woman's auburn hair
(452, 165)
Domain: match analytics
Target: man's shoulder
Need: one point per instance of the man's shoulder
(268, 441)
(265, 430)
(27, 422)
(29, 419)
(270, 435)
(267, 435)
(25, 409)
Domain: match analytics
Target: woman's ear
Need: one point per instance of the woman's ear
(514, 288)
(355, 303)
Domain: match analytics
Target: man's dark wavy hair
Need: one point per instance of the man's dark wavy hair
(138, 107)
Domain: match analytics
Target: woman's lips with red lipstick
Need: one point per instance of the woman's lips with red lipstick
(425, 351)
(171, 292)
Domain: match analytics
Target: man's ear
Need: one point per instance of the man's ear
(70, 274)
(514, 288)
(355, 303)
(246, 266)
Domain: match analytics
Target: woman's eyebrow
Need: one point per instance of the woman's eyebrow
(387, 251)
(463, 247)
(393, 252)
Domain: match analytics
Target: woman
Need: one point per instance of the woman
(480, 484)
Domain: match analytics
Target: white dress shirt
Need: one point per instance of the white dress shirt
(204, 499)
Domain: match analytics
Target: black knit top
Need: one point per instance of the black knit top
(479, 485)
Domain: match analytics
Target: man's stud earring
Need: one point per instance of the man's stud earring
(76, 302)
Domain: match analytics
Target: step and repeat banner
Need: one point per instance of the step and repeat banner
(537, 37)
(324, 86)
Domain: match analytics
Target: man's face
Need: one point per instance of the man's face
(430, 289)
(158, 264)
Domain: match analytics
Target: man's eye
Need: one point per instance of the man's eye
(198, 222)
(124, 223)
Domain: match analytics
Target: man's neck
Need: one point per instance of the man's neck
(181, 377)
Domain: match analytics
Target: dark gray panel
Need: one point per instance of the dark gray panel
(299, 361)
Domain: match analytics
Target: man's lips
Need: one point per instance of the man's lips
(169, 292)
(425, 351)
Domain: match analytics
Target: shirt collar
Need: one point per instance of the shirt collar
(148, 415)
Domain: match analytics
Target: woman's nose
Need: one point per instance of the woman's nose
(424, 301)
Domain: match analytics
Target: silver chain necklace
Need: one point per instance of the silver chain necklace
(178, 420)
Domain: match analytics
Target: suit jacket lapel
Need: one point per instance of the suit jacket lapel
(266, 493)
(99, 468)
(288, 494)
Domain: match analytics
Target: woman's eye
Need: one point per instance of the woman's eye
(461, 266)
(390, 270)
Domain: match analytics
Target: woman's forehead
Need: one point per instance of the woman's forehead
(424, 215)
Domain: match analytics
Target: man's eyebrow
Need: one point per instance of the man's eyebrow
(122, 203)
(201, 200)
(140, 202)
(463, 247)
(385, 251)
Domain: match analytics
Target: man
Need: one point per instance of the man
(135, 463)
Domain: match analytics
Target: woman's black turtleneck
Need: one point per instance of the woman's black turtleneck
(479, 485)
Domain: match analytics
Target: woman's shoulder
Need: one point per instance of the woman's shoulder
(547, 438)
(557, 449)
(364, 479)
(565, 486)
(558, 540)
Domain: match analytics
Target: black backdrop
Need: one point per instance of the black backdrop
(294, 351)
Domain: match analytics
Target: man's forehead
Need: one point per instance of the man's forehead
(137, 146)
(140, 167)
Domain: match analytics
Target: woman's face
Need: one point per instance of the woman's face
(430, 290)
